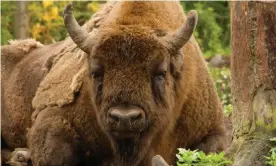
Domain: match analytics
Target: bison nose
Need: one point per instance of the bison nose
(131, 119)
(131, 115)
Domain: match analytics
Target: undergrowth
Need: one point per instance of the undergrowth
(199, 158)
(271, 160)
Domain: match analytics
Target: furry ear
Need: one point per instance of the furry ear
(177, 60)
(62, 82)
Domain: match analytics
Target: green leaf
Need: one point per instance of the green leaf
(273, 139)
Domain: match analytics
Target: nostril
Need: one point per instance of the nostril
(136, 117)
(114, 117)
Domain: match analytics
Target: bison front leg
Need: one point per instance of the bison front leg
(212, 143)
(53, 141)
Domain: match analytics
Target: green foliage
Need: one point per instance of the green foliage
(271, 160)
(196, 158)
(221, 76)
(213, 28)
(7, 16)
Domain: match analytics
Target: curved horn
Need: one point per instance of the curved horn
(182, 35)
(76, 32)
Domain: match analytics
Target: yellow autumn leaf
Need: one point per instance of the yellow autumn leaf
(47, 3)
(46, 17)
(36, 30)
(50, 15)
(54, 12)
(94, 6)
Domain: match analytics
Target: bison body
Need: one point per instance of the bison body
(139, 87)
(21, 70)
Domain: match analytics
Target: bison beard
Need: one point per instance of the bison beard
(127, 150)
(134, 88)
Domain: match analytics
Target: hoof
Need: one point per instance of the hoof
(20, 157)
(158, 161)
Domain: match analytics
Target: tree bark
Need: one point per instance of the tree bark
(21, 25)
(253, 71)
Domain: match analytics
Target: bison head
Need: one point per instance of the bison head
(134, 73)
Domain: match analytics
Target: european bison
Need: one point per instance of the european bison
(139, 87)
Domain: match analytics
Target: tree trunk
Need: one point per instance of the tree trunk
(253, 71)
(21, 25)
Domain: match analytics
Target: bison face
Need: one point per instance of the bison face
(135, 74)
(132, 81)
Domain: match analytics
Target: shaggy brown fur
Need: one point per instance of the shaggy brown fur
(20, 78)
(70, 127)
(24, 63)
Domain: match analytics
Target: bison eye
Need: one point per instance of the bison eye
(97, 73)
(158, 85)
(161, 74)
(159, 78)
(161, 70)
(96, 69)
